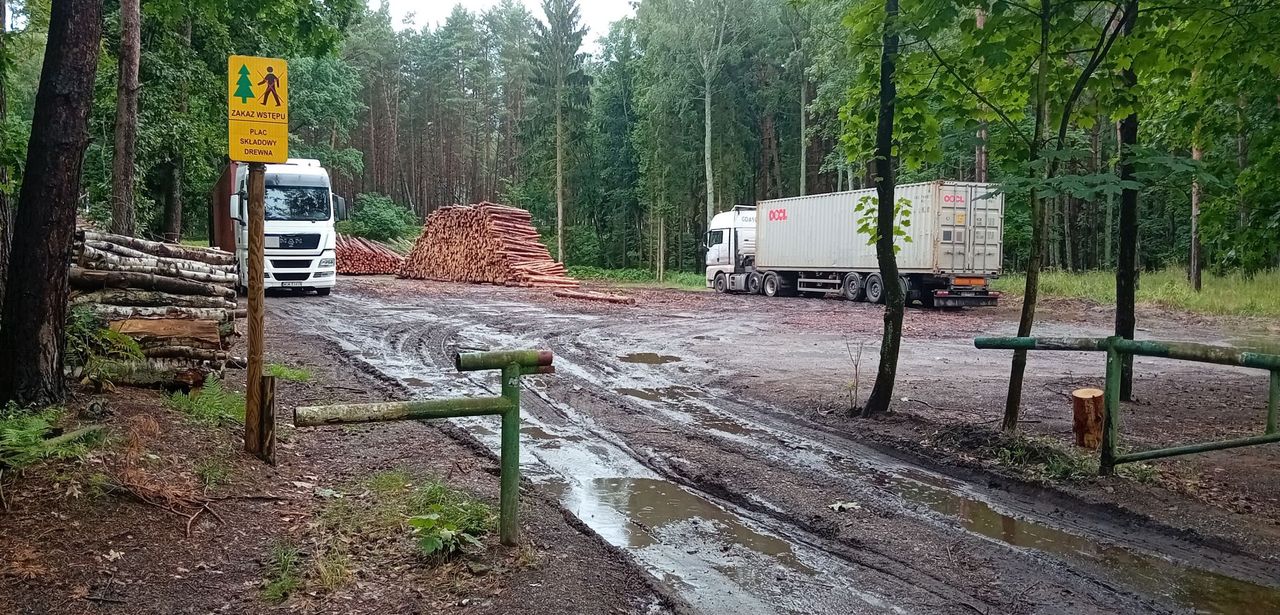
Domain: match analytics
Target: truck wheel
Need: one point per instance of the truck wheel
(721, 284)
(906, 291)
(324, 292)
(753, 283)
(852, 289)
(771, 285)
(875, 288)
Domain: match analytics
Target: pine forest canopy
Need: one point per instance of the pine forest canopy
(692, 105)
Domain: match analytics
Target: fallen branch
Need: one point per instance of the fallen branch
(594, 296)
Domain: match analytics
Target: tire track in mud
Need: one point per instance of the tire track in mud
(664, 446)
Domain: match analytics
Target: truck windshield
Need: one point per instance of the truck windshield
(296, 203)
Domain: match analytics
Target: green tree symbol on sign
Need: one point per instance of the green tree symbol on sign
(244, 87)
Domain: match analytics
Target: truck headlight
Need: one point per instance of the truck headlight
(322, 274)
(327, 262)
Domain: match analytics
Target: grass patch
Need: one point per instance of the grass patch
(213, 472)
(25, 438)
(291, 374)
(645, 277)
(332, 568)
(1041, 457)
(212, 404)
(1230, 295)
(283, 577)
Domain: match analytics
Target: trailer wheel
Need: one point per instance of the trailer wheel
(771, 285)
(852, 289)
(753, 283)
(875, 288)
(721, 284)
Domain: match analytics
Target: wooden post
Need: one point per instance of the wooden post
(267, 425)
(253, 415)
(1087, 410)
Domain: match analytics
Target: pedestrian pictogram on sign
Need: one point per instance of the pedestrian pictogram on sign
(258, 109)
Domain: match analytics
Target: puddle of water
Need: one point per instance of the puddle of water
(664, 394)
(1267, 344)
(1186, 586)
(654, 508)
(649, 358)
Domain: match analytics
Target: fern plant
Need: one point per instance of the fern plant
(93, 347)
(212, 403)
(23, 438)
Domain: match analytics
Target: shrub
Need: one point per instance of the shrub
(211, 403)
(379, 218)
(92, 346)
(23, 438)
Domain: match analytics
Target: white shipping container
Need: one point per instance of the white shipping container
(955, 227)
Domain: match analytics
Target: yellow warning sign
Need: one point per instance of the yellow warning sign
(257, 109)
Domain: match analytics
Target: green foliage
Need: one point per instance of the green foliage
(640, 277)
(211, 404)
(291, 374)
(868, 211)
(283, 575)
(379, 218)
(24, 434)
(446, 520)
(93, 347)
(1043, 458)
(1234, 294)
(213, 472)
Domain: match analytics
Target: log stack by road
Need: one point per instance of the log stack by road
(177, 302)
(486, 243)
(360, 256)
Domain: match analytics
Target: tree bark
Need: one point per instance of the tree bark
(33, 321)
(126, 130)
(1127, 268)
(6, 211)
(980, 150)
(165, 250)
(706, 149)
(895, 297)
(88, 279)
(1194, 265)
(559, 182)
(804, 131)
(1039, 232)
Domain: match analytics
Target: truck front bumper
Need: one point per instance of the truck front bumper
(293, 271)
(954, 298)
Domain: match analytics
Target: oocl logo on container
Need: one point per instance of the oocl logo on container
(952, 198)
(777, 215)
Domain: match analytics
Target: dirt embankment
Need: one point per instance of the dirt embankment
(74, 540)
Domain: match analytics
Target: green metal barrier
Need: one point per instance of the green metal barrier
(1116, 348)
(514, 364)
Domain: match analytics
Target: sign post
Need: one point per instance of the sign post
(258, 133)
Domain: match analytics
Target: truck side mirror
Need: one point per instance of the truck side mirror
(340, 207)
(237, 201)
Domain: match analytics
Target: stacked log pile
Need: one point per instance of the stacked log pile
(177, 302)
(486, 243)
(360, 256)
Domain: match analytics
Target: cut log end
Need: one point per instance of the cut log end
(1088, 407)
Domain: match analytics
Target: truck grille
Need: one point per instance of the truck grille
(291, 277)
(291, 264)
(298, 241)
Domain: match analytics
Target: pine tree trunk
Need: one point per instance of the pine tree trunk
(895, 297)
(6, 211)
(1039, 232)
(126, 129)
(174, 171)
(706, 149)
(804, 136)
(1194, 265)
(32, 327)
(980, 150)
(1127, 268)
(559, 183)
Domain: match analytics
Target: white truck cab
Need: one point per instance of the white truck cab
(731, 247)
(299, 235)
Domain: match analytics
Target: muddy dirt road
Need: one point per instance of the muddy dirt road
(667, 430)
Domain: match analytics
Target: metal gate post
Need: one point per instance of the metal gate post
(509, 498)
(1111, 411)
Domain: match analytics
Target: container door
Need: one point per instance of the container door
(955, 218)
(987, 212)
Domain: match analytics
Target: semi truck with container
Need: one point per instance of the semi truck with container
(298, 237)
(811, 246)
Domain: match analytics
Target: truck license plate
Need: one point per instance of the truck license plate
(291, 283)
